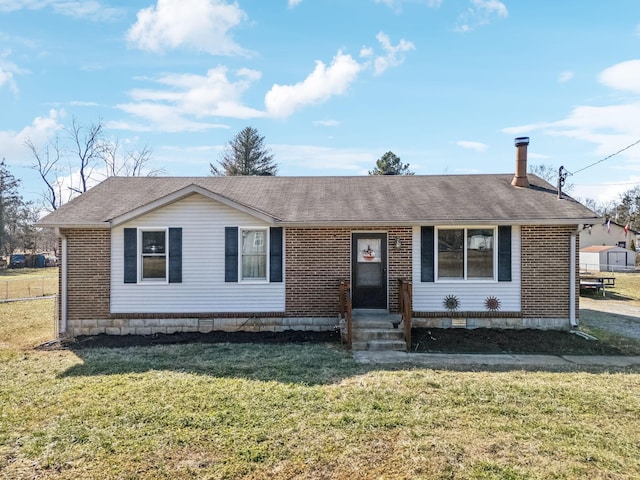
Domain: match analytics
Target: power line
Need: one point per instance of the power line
(605, 184)
(608, 157)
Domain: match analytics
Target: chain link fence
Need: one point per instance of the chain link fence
(27, 288)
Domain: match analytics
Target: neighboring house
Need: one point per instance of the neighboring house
(147, 254)
(600, 258)
(606, 233)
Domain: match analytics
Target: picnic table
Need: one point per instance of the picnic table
(596, 283)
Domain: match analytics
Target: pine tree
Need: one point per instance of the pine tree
(246, 155)
(390, 164)
(11, 209)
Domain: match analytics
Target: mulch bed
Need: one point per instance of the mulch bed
(435, 340)
(122, 341)
(527, 341)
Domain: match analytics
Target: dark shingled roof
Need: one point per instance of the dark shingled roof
(362, 200)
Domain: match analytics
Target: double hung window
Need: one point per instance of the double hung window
(466, 253)
(153, 252)
(253, 251)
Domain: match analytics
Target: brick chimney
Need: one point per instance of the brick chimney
(520, 179)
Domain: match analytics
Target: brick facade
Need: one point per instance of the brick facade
(317, 259)
(545, 271)
(88, 269)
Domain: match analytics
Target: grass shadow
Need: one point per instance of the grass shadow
(608, 296)
(309, 364)
(303, 364)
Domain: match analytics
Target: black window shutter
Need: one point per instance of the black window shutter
(426, 254)
(231, 254)
(504, 253)
(130, 255)
(175, 255)
(275, 254)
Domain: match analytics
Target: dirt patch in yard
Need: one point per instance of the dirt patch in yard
(424, 340)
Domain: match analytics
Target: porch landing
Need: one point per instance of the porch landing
(374, 330)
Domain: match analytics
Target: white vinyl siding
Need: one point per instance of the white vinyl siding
(428, 296)
(203, 288)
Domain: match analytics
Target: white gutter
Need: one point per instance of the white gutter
(572, 277)
(63, 283)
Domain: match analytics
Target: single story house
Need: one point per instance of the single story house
(149, 254)
(603, 258)
(607, 233)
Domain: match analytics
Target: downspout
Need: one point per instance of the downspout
(572, 277)
(63, 282)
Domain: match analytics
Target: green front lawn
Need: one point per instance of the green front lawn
(214, 411)
(203, 411)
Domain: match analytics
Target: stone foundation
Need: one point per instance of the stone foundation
(509, 322)
(149, 326)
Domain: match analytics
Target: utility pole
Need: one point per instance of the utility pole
(562, 177)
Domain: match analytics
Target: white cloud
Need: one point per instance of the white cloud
(327, 123)
(294, 3)
(622, 76)
(85, 9)
(604, 193)
(477, 146)
(366, 52)
(8, 70)
(91, 10)
(610, 128)
(331, 161)
(481, 12)
(565, 76)
(188, 95)
(396, 5)
(323, 83)
(40, 131)
(394, 55)
(6, 78)
(201, 25)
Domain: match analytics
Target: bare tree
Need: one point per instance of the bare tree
(71, 163)
(47, 165)
(89, 147)
(128, 163)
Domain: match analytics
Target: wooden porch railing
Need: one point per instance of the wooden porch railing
(405, 295)
(346, 308)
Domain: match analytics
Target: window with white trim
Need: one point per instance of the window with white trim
(466, 253)
(254, 256)
(153, 255)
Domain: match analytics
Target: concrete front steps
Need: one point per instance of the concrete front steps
(373, 330)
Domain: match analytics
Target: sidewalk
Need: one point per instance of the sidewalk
(502, 360)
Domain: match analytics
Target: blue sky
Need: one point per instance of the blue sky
(332, 84)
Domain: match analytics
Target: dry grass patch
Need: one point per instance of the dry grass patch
(28, 283)
(26, 324)
(626, 289)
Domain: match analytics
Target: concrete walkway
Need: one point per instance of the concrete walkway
(443, 360)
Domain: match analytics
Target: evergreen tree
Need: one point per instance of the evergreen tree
(12, 210)
(246, 155)
(390, 164)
